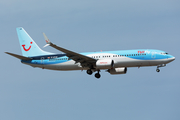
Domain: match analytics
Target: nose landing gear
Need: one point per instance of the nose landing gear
(162, 65)
(157, 70)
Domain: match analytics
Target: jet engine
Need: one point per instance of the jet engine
(104, 64)
(121, 70)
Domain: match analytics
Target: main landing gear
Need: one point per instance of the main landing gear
(97, 75)
(162, 65)
(89, 72)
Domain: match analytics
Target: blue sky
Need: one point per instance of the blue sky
(85, 26)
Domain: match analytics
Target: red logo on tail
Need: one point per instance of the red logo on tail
(28, 48)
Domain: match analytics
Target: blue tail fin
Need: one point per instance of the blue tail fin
(28, 47)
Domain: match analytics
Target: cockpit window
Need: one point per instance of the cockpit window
(164, 53)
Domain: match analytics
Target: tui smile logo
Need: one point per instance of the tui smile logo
(28, 48)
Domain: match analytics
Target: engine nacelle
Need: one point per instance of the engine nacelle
(105, 64)
(114, 71)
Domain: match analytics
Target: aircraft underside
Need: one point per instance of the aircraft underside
(71, 65)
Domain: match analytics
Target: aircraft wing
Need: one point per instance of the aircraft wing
(72, 55)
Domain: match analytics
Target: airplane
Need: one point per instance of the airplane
(114, 62)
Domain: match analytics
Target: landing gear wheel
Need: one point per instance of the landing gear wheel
(89, 72)
(157, 70)
(97, 75)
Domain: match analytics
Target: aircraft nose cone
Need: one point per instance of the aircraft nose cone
(173, 58)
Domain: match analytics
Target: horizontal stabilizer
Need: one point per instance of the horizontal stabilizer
(18, 56)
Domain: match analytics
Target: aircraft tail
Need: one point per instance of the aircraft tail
(28, 47)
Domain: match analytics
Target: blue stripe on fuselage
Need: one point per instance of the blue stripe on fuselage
(48, 59)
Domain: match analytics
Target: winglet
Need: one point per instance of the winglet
(46, 39)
